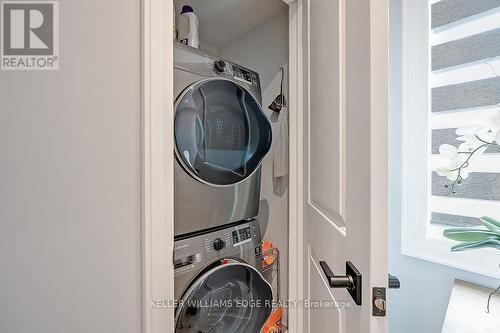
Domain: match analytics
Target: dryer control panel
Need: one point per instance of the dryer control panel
(195, 61)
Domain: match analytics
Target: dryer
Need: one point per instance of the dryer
(221, 137)
(219, 287)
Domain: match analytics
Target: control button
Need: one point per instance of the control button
(219, 244)
(219, 66)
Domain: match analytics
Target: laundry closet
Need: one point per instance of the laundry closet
(242, 48)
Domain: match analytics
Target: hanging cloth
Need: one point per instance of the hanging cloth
(280, 144)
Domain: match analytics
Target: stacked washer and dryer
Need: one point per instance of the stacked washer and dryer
(221, 138)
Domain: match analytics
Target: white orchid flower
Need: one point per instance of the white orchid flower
(495, 126)
(474, 136)
(452, 161)
(495, 121)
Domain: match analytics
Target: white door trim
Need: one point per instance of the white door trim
(157, 175)
(379, 168)
(295, 207)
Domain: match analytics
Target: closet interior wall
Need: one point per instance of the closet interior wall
(264, 50)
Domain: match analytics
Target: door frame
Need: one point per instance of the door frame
(295, 191)
(157, 164)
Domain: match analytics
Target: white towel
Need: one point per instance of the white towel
(280, 152)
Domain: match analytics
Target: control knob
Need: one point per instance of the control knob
(219, 66)
(219, 244)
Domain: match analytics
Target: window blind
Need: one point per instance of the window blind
(464, 80)
(451, 11)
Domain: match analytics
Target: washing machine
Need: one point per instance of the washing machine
(219, 287)
(221, 137)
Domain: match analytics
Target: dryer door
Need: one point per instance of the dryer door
(229, 298)
(221, 132)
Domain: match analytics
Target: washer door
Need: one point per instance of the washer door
(221, 132)
(230, 298)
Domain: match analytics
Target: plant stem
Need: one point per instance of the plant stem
(486, 142)
(466, 163)
(459, 169)
(489, 299)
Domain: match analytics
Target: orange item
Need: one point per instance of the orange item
(266, 246)
(268, 257)
(273, 324)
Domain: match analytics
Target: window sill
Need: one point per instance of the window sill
(434, 248)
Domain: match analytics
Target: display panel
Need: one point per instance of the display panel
(242, 74)
(241, 236)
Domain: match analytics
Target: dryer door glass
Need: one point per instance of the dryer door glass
(230, 298)
(221, 132)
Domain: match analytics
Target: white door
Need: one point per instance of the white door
(345, 160)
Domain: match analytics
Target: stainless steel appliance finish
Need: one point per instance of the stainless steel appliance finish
(221, 136)
(220, 267)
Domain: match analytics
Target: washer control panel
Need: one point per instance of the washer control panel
(230, 238)
(237, 241)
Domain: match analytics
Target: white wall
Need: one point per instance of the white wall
(70, 179)
(208, 48)
(420, 305)
(264, 50)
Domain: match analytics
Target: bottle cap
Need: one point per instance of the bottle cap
(186, 9)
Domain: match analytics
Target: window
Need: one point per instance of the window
(451, 121)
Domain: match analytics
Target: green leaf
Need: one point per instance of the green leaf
(470, 234)
(490, 243)
(491, 224)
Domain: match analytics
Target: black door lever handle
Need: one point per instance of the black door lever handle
(336, 281)
(351, 281)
